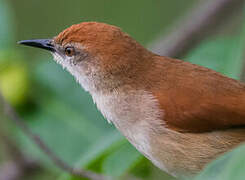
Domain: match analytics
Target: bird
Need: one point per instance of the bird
(179, 115)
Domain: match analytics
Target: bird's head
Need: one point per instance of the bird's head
(98, 55)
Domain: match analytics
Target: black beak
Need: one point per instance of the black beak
(39, 43)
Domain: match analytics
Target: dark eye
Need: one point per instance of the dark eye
(69, 51)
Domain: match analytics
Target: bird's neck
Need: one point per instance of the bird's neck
(125, 79)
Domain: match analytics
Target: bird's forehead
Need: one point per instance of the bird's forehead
(68, 34)
(85, 31)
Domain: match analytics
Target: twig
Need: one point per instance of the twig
(19, 164)
(194, 26)
(10, 171)
(11, 114)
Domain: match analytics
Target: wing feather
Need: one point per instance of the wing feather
(197, 99)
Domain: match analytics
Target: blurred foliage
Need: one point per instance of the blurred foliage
(14, 82)
(13, 72)
(227, 167)
(6, 25)
(223, 54)
(148, 16)
(55, 106)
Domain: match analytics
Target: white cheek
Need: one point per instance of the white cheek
(76, 71)
(62, 61)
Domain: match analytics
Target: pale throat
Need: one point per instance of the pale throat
(80, 74)
(135, 113)
(120, 107)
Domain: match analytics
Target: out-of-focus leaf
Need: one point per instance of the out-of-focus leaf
(121, 161)
(144, 169)
(98, 151)
(65, 130)
(66, 142)
(14, 84)
(74, 119)
(222, 54)
(6, 26)
(102, 146)
(227, 167)
(14, 77)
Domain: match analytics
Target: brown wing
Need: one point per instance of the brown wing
(197, 99)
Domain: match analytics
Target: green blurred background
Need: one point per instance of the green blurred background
(56, 108)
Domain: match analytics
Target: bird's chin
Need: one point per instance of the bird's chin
(57, 58)
(61, 60)
(73, 70)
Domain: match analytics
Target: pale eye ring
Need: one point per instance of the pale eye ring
(69, 51)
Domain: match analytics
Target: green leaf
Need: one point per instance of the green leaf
(68, 143)
(101, 147)
(65, 130)
(227, 167)
(121, 161)
(92, 158)
(6, 26)
(71, 117)
(222, 54)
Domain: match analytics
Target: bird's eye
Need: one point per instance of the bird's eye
(69, 51)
